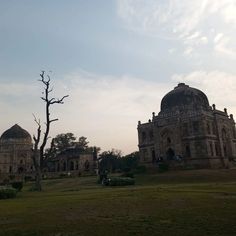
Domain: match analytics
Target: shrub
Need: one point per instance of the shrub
(128, 174)
(33, 188)
(28, 178)
(12, 177)
(140, 169)
(5, 181)
(127, 169)
(119, 181)
(7, 192)
(63, 175)
(162, 167)
(17, 185)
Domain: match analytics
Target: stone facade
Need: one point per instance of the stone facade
(74, 161)
(15, 151)
(188, 132)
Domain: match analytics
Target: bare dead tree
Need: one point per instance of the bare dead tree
(39, 157)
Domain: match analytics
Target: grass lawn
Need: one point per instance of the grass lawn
(186, 203)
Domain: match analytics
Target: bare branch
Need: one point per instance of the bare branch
(43, 99)
(34, 138)
(53, 120)
(37, 121)
(49, 79)
(42, 74)
(43, 80)
(51, 100)
(60, 101)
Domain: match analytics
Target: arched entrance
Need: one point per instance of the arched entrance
(167, 144)
(226, 147)
(71, 165)
(170, 154)
(20, 170)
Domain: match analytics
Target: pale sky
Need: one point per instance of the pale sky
(115, 58)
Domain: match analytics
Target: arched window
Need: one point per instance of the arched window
(86, 165)
(185, 129)
(168, 140)
(64, 166)
(208, 128)
(211, 149)
(187, 151)
(71, 165)
(233, 132)
(153, 156)
(213, 128)
(77, 165)
(170, 154)
(224, 135)
(151, 135)
(217, 151)
(58, 167)
(143, 136)
(145, 154)
(195, 126)
(20, 170)
(225, 150)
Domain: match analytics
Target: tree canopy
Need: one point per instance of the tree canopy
(68, 140)
(82, 143)
(113, 160)
(63, 141)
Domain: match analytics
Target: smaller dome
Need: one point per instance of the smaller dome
(15, 132)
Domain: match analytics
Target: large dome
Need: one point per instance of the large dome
(16, 132)
(184, 97)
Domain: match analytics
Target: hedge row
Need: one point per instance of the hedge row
(17, 185)
(7, 192)
(119, 181)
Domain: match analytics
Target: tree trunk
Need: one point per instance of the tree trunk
(38, 180)
(38, 152)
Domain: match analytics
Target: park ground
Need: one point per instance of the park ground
(186, 203)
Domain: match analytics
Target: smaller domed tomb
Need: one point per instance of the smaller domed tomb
(16, 151)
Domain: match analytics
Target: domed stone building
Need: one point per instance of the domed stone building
(15, 151)
(188, 132)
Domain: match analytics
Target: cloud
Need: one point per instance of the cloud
(16, 89)
(188, 51)
(184, 20)
(18, 101)
(106, 109)
(223, 44)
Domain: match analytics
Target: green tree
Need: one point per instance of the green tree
(130, 161)
(109, 160)
(82, 143)
(60, 143)
(64, 141)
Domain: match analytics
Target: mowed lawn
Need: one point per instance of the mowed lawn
(200, 202)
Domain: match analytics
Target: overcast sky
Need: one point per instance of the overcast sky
(115, 58)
